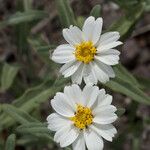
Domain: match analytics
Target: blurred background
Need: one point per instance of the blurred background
(29, 32)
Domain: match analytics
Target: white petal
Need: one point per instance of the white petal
(92, 29)
(61, 106)
(101, 75)
(88, 28)
(79, 144)
(66, 66)
(70, 68)
(61, 133)
(70, 137)
(77, 76)
(90, 94)
(108, 46)
(77, 34)
(97, 30)
(106, 100)
(87, 70)
(64, 48)
(106, 68)
(63, 54)
(73, 35)
(74, 93)
(91, 79)
(100, 97)
(93, 141)
(108, 128)
(66, 135)
(106, 109)
(105, 119)
(109, 37)
(108, 52)
(106, 131)
(108, 59)
(55, 122)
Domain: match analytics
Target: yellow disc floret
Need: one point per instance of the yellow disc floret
(85, 52)
(83, 117)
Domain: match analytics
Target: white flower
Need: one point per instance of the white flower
(82, 118)
(88, 54)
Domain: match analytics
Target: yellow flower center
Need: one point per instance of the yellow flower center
(83, 117)
(85, 52)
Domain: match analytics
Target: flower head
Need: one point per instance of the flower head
(88, 54)
(82, 118)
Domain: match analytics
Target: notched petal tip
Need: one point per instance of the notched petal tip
(99, 19)
(91, 17)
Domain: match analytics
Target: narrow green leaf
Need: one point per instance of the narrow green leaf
(130, 90)
(147, 7)
(126, 4)
(36, 129)
(22, 32)
(80, 21)
(2, 143)
(147, 120)
(31, 125)
(9, 72)
(33, 98)
(23, 17)
(35, 93)
(18, 114)
(32, 129)
(120, 112)
(41, 47)
(125, 24)
(144, 82)
(27, 4)
(67, 148)
(96, 11)
(10, 143)
(65, 13)
(124, 82)
(122, 73)
(136, 143)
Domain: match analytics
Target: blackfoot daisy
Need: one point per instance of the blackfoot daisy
(88, 54)
(82, 118)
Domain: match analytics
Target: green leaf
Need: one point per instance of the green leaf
(36, 129)
(126, 4)
(147, 7)
(120, 111)
(67, 148)
(9, 72)
(33, 98)
(136, 143)
(144, 82)
(125, 82)
(27, 4)
(23, 17)
(35, 93)
(128, 89)
(10, 143)
(125, 24)
(122, 73)
(18, 114)
(33, 128)
(65, 13)
(96, 11)
(41, 47)
(80, 21)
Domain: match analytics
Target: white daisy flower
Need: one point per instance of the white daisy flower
(88, 54)
(82, 118)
